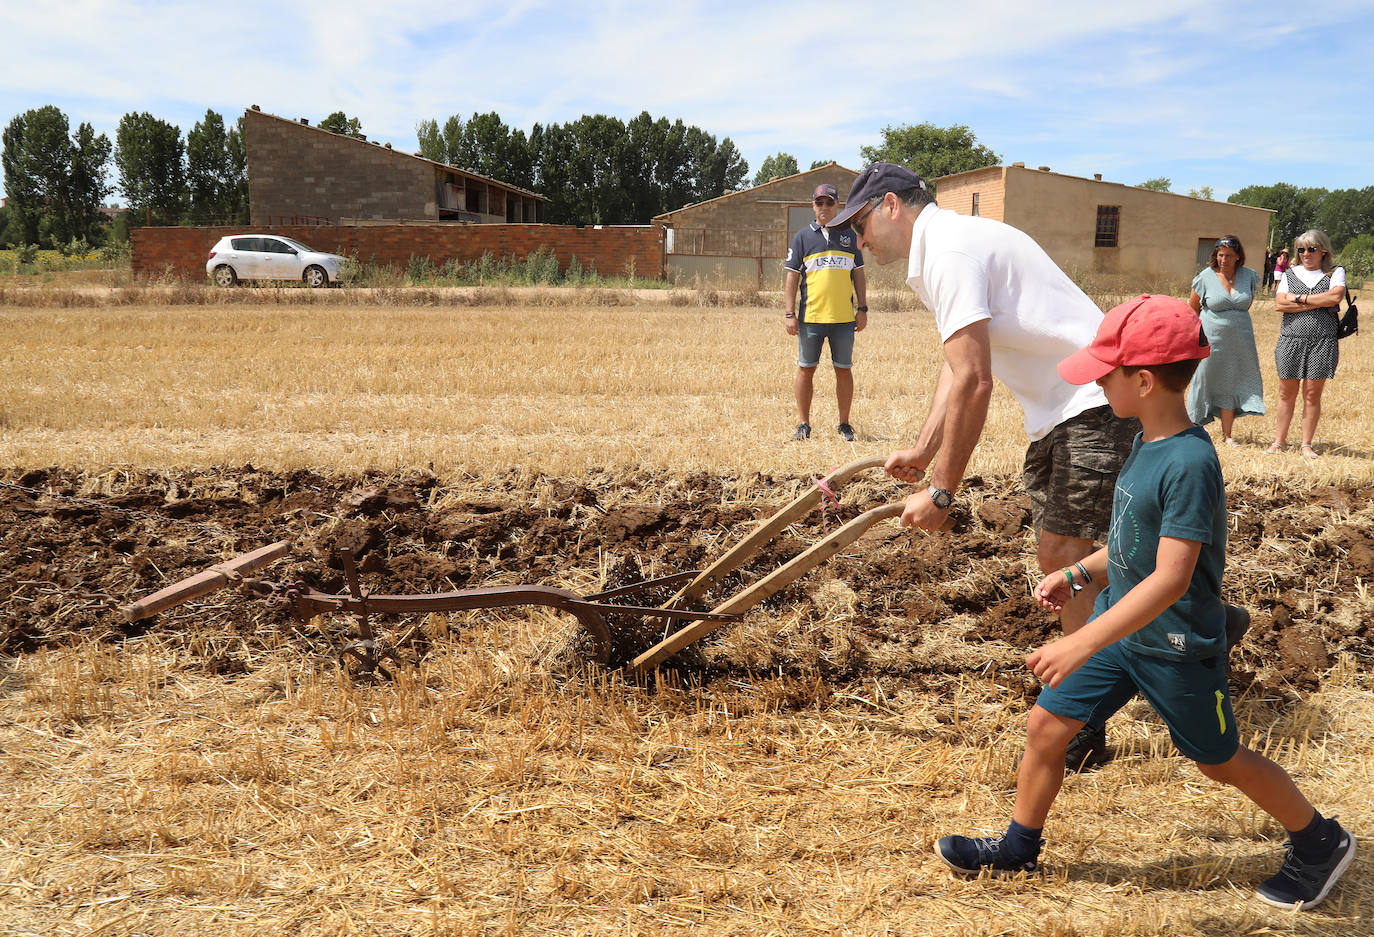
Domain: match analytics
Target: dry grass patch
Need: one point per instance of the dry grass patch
(479, 795)
(149, 787)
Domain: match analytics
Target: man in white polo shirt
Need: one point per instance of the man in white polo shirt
(1004, 309)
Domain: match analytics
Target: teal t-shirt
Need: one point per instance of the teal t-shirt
(1171, 488)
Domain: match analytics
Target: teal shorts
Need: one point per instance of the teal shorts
(1191, 696)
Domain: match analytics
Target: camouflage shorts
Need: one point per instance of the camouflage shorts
(1071, 473)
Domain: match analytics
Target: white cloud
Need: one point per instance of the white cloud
(1154, 84)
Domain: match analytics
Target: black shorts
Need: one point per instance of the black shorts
(1071, 473)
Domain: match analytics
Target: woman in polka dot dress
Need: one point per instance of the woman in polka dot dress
(1309, 297)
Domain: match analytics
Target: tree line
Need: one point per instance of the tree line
(56, 181)
(596, 169)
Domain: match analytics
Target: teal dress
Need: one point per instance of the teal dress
(1229, 378)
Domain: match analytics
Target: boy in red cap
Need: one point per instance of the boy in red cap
(1158, 627)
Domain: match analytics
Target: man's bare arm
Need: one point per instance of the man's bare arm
(968, 356)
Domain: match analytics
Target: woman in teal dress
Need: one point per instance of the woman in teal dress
(1227, 383)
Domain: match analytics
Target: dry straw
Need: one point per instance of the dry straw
(495, 790)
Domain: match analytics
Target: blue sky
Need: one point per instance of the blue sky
(1206, 94)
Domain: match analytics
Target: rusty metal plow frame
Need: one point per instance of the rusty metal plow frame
(371, 653)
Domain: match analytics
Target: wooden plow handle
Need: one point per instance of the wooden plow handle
(775, 581)
(208, 580)
(740, 553)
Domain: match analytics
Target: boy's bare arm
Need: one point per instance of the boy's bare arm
(1175, 560)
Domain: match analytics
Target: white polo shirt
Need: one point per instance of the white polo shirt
(967, 268)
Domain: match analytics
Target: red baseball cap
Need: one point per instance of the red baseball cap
(825, 190)
(1140, 332)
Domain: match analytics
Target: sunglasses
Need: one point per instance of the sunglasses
(1229, 242)
(823, 200)
(857, 222)
(1309, 250)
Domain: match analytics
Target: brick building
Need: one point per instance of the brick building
(1089, 225)
(741, 238)
(298, 174)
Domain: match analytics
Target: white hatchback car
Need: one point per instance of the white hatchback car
(270, 257)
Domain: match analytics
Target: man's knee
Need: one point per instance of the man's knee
(1056, 551)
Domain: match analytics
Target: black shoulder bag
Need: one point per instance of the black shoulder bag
(1350, 322)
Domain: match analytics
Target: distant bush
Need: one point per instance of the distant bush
(1358, 257)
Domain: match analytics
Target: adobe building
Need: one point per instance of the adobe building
(1088, 225)
(299, 174)
(740, 239)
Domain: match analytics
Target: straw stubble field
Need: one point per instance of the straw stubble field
(214, 772)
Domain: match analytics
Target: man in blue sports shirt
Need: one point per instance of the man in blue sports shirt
(827, 269)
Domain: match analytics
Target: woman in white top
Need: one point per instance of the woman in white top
(1309, 297)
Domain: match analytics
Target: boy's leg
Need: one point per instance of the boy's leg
(1319, 850)
(1194, 700)
(1094, 691)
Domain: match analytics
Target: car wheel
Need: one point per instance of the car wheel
(225, 276)
(315, 277)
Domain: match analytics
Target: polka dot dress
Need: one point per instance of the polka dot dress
(1308, 348)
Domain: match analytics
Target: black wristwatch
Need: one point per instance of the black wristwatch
(862, 308)
(940, 497)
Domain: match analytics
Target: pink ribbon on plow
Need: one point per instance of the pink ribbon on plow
(827, 497)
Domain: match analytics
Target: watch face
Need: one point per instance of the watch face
(941, 498)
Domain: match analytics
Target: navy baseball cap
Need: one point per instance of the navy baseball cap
(826, 190)
(875, 181)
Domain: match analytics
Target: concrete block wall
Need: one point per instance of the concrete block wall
(762, 207)
(615, 250)
(294, 169)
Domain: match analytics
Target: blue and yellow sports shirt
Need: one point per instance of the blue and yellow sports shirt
(827, 261)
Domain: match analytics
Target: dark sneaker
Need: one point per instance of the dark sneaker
(846, 432)
(969, 856)
(1237, 623)
(803, 431)
(1087, 750)
(1301, 885)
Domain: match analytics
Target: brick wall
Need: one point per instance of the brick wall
(956, 192)
(613, 249)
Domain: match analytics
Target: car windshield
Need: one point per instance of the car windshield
(296, 244)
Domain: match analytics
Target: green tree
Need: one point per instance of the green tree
(215, 172)
(1345, 214)
(1358, 257)
(930, 150)
(339, 122)
(1158, 184)
(431, 141)
(818, 163)
(152, 175)
(1203, 192)
(55, 180)
(88, 182)
(776, 166)
(1295, 210)
(37, 157)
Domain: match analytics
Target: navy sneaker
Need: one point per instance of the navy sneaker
(967, 855)
(803, 432)
(846, 432)
(1087, 749)
(1301, 885)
